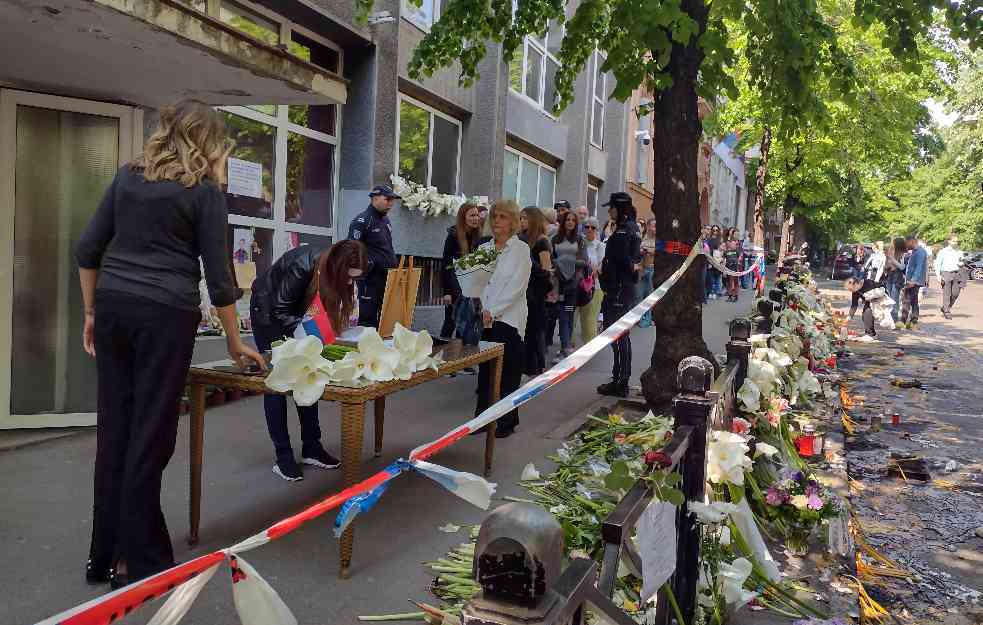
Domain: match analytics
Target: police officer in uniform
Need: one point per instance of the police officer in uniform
(619, 274)
(373, 228)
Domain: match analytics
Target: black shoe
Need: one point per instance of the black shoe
(96, 573)
(118, 580)
(613, 389)
(318, 457)
(288, 469)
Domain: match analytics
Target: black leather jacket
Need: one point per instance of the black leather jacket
(279, 297)
(618, 275)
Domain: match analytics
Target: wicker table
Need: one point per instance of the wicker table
(352, 400)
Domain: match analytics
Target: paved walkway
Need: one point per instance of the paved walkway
(47, 489)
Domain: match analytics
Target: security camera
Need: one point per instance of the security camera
(643, 136)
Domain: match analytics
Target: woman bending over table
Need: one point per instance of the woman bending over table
(504, 308)
(280, 298)
(139, 270)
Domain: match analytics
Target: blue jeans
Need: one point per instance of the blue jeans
(467, 320)
(894, 292)
(566, 323)
(644, 289)
(275, 407)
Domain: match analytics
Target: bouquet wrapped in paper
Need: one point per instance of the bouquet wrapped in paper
(474, 270)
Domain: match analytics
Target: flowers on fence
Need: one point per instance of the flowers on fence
(300, 368)
(727, 458)
(427, 200)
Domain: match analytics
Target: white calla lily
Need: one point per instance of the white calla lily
(732, 576)
(714, 512)
(764, 449)
(750, 396)
(727, 458)
(414, 347)
(299, 368)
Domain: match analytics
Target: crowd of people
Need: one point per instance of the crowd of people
(735, 251)
(896, 275)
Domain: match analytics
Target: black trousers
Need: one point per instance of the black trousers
(868, 319)
(552, 317)
(275, 407)
(143, 351)
(909, 304)
(952, 286)
(447, 327)
(512, 366)
(370, 294)
(621, 370)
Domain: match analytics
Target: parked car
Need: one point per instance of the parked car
(974, 263)
(843, 263)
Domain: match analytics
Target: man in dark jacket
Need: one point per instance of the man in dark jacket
(372, 227)
(618, 278)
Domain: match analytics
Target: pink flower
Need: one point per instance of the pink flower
(740, 426)
(774, 497)
(774, 418)
(814, 502)
(779, 405)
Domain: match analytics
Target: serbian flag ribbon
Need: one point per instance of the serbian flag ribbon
(316, 323)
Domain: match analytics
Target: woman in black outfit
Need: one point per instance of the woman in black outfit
(532, 224)
(464, 312)
(280, 298)
(139, 272)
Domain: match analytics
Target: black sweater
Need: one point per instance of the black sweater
(618, 275)
(858, 295)
(146, 237)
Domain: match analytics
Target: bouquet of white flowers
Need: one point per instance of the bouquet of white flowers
(474, 270)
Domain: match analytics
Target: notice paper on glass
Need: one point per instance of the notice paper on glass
(656, 530)
(245, 178)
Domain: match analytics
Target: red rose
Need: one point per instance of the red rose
(658, 459)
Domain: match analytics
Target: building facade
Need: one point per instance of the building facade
(321, 108)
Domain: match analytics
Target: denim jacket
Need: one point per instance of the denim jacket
(917, 269)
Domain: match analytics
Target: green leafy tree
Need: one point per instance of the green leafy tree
(679, 49)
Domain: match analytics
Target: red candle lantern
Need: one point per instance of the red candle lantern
(805, 444)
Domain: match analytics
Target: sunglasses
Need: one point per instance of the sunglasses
(590, 227)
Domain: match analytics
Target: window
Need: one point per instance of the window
(597, 112)
(527, 181)
(643, 139)
(532, 71)
(592, 194)
(422, 16)
(250, 22)
(429, 146)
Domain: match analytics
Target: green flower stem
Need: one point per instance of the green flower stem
(408, 616)
(666, 588)
(775, 608)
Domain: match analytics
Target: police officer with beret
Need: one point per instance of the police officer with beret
(619, 274)
(373, 228)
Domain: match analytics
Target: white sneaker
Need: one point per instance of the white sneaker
(866, 339)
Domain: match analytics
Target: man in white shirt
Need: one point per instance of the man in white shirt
(948, 266)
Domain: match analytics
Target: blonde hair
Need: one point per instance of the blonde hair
(190, 144)
(508, 207)
(550, 214)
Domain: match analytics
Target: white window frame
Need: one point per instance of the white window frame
(408, 13)
(597, 199)
(542, 48)
(541, 165)
(433, 112)
(642, 160)
(598, 61)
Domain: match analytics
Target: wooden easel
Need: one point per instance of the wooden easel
(399, 300)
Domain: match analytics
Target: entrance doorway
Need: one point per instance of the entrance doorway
(57, 157)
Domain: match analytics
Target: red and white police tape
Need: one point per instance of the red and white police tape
(255, 600)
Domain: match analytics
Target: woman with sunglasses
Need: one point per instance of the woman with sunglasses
(280, 297)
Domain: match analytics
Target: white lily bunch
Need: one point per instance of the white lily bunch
(727, 458)
(427, 200)
(299, 367)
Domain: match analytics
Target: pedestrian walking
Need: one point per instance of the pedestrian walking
(893, 277)
(860, 261)
(570, 258)
(732, 261)
(373, 228)
(504, 310)
(618, 279)
(280, 298)
(141, 312)
(952, 274)
(645, 285)
(916, 277)
(532, 224)
(715, 288)
(874, 265)
(595, 256)
(464, 312)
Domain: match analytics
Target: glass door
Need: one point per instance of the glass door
(60, 155)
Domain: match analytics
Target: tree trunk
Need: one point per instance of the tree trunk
(761, 183)
(676, 204)
(787, 234)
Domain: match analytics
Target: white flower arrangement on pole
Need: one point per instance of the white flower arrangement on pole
(427, 200)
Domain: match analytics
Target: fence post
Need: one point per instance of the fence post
(691, 407)
(765, 309)
(739, 348)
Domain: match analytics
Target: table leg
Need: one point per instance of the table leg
(352, 431)
(496, 391)
(380, 420)
(197, 441)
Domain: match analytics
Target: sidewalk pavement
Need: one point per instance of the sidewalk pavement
(45, 525)
(931, 526)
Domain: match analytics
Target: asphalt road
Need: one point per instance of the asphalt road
(47, 491)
